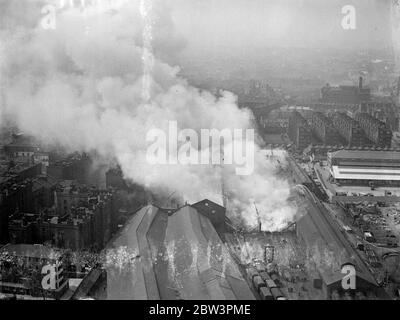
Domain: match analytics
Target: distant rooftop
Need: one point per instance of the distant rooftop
(30, 251)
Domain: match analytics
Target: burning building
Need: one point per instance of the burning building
(174, 254)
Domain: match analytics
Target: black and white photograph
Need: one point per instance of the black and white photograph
(231, 153)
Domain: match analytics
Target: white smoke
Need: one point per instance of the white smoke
(95, 84)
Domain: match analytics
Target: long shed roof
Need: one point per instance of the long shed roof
(158, 255)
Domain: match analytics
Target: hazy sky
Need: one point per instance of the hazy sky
(212, 24)
(263, 23)
(241, 27)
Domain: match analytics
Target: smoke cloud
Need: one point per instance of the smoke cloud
(81, 86)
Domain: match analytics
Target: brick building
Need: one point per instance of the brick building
(375, 130)
(345, 94)
(323, 128)
(386, 112)
(299, 131)
(349, 129)
(75, 167)
(15, 194)
(84, 218)
(32, 270)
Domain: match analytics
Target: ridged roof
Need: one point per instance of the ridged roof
(172, 256)
(329, 247)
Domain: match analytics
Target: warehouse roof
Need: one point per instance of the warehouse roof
(329, 248)
(353, 173)
(366, 154)
(168, 257)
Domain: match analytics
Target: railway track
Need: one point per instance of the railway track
(334, 231)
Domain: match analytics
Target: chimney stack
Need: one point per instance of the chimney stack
(360, 83)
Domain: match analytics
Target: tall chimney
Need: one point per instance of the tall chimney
(360, 83)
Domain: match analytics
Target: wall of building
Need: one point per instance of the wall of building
(375, 130)
(299, 131)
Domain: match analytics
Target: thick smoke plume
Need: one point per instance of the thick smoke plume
(97, 83)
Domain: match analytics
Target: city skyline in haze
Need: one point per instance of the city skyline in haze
(211, 25)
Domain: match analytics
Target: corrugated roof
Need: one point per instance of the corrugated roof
(178, 256)
(126, 280)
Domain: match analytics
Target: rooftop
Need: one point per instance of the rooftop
(172, 256)
(29, 251)
(369, 155)
(321, 234)
(357, 173)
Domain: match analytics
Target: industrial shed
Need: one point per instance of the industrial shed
(364, 167)
(172, 254)
(329, 250)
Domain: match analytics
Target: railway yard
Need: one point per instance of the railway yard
(303, 261)
(283, 271)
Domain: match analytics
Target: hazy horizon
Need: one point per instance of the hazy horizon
(209, 25)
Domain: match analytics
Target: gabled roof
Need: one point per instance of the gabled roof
(330, 247)
(178, 256)
(211, 210)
